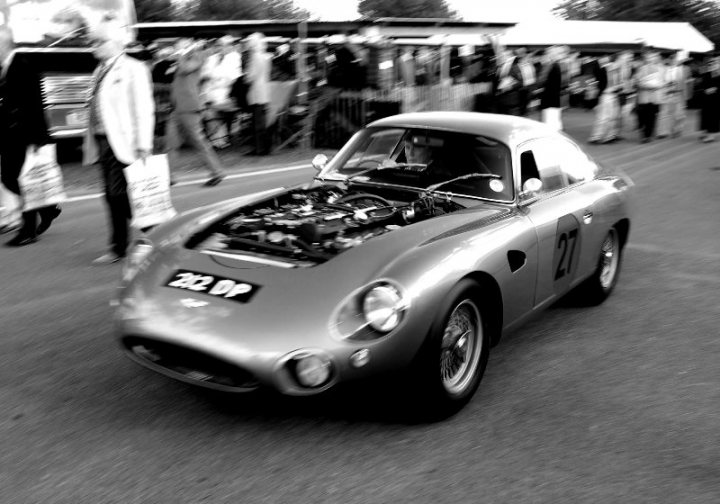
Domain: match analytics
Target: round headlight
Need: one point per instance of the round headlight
(312, 370)
(383, 308)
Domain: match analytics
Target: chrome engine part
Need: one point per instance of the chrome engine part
(317, 224)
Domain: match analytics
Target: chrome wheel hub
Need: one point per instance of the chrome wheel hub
(609, 256)
(461, 347)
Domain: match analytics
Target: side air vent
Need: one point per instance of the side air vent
(516, 259)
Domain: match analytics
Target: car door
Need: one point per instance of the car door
(557, 211)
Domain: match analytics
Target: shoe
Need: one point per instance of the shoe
(109, 258)
(46, 218)
(708, 139)
(7, 228)
(214, 181)
(21, 240)
(645, 140)
(660, 137)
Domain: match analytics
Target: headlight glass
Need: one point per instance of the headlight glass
(383, 308)
(135, 257)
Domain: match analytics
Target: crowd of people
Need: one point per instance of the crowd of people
(211, 80)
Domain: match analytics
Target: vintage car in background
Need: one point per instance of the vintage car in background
(422, 241)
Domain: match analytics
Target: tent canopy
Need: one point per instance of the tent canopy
(663, 35)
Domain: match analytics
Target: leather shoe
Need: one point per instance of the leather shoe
(21, 240)
(109, 258)
(46, 218)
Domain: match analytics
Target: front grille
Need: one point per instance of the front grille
(188, 364)
(66, 88)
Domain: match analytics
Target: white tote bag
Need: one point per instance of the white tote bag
(41, 180)
(148, 183)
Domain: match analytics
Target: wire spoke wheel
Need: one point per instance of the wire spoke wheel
(609, 259)
(461, 347)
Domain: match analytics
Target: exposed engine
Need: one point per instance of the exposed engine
(316, 224)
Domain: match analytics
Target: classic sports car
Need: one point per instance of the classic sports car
(422, 241)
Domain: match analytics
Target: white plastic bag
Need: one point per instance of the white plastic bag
(148, 187)
(41, 180)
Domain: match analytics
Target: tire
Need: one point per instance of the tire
(600, 285)
(450, 366)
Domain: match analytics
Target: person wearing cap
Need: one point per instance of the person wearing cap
(121, 122)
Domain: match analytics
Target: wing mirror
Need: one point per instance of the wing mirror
(530, 187)
(319, 162)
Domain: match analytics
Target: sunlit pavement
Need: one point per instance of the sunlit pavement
(617, 403)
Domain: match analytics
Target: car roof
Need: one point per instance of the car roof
(511, 130)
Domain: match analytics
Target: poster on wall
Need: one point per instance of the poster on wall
(63, 22)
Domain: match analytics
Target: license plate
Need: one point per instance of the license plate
(76, 118)
(221, 287)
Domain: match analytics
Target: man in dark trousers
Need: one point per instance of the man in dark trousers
(121, 123)
(550, 98)
(22, 126)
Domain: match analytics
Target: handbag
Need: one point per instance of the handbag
(41, 179)
(148, 188)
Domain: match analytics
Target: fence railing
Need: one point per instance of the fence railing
(342, 113)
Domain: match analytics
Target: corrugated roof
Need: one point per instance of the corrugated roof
(665, 35)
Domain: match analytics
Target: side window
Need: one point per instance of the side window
(539, 160)
(575, 164)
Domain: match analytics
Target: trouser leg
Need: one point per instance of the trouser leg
(116, 198)
(651, 120)
(192, 126)
(260, 129)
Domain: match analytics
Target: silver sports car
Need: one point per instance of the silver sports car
(423, 240)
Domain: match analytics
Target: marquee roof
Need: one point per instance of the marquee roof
(663, 35)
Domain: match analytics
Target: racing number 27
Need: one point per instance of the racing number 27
(566, 245)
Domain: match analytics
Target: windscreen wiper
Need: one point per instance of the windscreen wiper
(418, 167)
(435, 187)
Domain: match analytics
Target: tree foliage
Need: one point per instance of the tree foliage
(406, 8)
(237, 10)
(702, 14)
(154, 10)
(217, 10)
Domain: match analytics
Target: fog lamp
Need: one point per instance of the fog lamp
(312, 370)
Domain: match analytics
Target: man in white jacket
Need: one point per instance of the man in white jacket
(120, 130)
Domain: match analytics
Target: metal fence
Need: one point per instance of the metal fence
(341, 113)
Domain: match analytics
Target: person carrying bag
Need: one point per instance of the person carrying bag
(41, 180)
(148, 187)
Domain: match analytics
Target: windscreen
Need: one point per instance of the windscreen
(446, 161)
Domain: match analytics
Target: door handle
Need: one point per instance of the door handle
(587, 218)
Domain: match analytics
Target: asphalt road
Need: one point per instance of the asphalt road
(619, 403)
